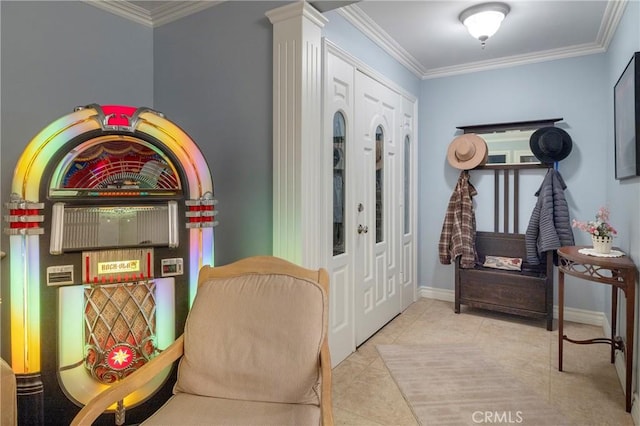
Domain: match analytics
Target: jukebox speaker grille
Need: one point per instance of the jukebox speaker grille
(119, 328)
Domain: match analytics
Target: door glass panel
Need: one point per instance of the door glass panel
(379, 183)
(338, 182)
(407, 184)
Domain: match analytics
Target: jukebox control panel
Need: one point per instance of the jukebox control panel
(115, 266)
(172, 267)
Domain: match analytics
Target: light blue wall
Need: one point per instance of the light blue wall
(348, 38)
(210, 72)
(623, 195)
(578, 89)
(56, 56)
(213, 75)
(574, 89)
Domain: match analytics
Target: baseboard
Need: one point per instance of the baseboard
(436, 293)
(570, 314)
(582, 316)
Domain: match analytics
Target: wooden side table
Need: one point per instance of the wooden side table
(619, 272)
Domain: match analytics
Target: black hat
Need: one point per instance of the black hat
(550, 144)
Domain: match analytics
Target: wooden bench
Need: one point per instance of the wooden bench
(527, 293)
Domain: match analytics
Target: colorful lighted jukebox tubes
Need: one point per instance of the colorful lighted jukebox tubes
(110, 218)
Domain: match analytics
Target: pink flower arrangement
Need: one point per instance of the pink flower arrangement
(598, 228)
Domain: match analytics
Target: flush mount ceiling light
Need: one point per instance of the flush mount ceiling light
(483, 20)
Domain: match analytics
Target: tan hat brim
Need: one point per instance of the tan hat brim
(479, 157)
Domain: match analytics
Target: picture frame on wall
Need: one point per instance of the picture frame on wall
(626, 100)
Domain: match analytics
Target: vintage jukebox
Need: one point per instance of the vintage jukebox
(110, 218)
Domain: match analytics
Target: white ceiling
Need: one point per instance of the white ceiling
(427, 37)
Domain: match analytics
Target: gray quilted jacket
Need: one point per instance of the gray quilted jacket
(549, 227)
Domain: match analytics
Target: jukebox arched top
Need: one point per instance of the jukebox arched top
(112, 164)
(97, 133)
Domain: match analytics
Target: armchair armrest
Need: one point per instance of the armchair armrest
(326, 408)
(118, 391)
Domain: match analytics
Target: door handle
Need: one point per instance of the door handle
(363, 229)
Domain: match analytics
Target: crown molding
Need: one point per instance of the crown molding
(124, 9)
(359, 19)
(612, 15)
(175, 10)
(172, 11)
(160, 15)
(516, 60)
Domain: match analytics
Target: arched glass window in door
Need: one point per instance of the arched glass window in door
(379, 183)
(338, 183)
(407, 185)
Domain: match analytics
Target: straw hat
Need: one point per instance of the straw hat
(550, 144)
(467, 152)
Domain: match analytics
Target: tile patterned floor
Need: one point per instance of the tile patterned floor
(588, 391)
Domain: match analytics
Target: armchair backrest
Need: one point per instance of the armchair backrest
(255, 332)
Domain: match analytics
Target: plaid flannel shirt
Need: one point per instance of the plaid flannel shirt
(459, 227)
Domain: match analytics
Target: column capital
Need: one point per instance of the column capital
(294, 10)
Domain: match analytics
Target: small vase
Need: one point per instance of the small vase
(602, 244)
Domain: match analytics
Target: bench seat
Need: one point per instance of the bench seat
(527, 293)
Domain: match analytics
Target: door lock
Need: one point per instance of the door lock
(363, 229)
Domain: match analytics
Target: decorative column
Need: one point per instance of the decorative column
(299, 233)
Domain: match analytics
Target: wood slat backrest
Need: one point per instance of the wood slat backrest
(510, 174)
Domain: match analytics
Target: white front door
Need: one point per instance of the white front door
(378, 224)
(371, 280)
(339, 118)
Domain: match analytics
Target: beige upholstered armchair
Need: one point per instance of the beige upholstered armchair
(8, 401)
(254, 351)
